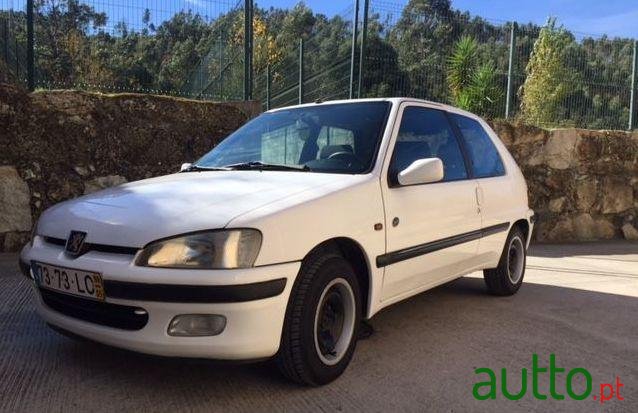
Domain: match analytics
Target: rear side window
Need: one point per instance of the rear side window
(426, 133)
(484, 157)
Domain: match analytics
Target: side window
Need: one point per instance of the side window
(426, 133)
(484, 156)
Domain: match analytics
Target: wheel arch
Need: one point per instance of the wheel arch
(354, 253)
(523, 225)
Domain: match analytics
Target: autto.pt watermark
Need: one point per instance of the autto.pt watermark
(490, 384)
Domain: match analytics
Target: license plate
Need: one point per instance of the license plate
(69, 281)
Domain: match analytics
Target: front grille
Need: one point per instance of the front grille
(112, 249)
(55, 241)
(106, 314)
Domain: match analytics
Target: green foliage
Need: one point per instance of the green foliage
(549, 78)
(485, 95)
(63, 44)
(462, 66)
(473, 86)
(421, 39)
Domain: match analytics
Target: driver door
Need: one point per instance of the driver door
(429, 227)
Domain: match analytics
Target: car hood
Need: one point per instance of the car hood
(137, 213)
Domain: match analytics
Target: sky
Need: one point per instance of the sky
(597, 17)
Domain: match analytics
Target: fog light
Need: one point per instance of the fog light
(196, 325)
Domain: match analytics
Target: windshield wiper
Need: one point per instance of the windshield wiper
(267, 166)
(197, 168)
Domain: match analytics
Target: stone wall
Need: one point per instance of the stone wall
(582, 183)
(61, 144)
(58, 145)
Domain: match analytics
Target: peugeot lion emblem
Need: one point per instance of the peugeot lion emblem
(75, 242)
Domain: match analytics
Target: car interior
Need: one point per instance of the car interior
(425, 133)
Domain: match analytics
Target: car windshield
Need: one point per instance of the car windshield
(337, 138)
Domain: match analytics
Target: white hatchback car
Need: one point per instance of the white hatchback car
(280, 240)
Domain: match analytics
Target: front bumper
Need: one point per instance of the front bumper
(252, 300)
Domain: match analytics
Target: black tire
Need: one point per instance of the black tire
(507, 278)
(299, 357)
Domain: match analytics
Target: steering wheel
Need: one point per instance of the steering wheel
(346, 156)
(342, 154)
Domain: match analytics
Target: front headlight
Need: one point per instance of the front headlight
(235, 248)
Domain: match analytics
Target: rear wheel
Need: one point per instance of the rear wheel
(322, 321)
(507, 278)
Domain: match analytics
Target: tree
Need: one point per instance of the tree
(548, 77)
(421, 39)
(382, 75)
(62, 40)
(266, 50)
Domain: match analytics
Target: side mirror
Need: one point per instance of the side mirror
(422, 171)
(185, 166)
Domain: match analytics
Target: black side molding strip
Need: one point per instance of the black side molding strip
(428, 247)
(170, 293)
(495, 229)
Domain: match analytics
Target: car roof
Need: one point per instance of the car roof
(395, 100)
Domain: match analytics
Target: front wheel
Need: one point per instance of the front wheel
(507, 278)
(322, 319)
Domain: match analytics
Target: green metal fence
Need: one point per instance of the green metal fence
(147, 46)
(404, 50)
(13, 39)
(219, 71)
(316, 66)
(230, 50)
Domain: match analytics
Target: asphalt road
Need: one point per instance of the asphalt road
(579, 302)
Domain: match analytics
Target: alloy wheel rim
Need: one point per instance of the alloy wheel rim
(334, 321)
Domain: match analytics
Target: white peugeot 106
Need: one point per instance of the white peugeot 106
(286, 235)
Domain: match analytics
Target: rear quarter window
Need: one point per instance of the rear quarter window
(484, 157)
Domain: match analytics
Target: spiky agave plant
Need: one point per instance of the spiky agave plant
(461, 67)
(484, 90)
(473, 85)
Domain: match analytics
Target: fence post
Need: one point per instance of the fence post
(300, 71)
(30, 47)
(221, 66)
(355, 23)
(510, 73)
(632, 102)
(247, 47)
(251, 74)
(267, 87)
(362, 50)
